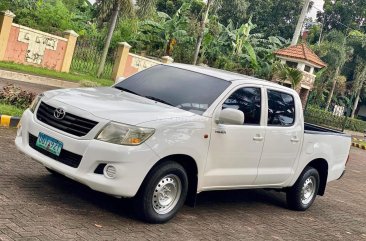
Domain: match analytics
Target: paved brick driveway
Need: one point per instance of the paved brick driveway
(37, 206)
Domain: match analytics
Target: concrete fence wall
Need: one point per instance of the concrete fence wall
(127, 64)
(24, 45)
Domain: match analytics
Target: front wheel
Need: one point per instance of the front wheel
(162, 193)
(303, 193)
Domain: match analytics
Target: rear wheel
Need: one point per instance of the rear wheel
(162, 193)
(303, 193)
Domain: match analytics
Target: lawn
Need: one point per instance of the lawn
(74, 77)
(11, 110)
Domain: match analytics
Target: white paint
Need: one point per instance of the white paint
(142, 63)
(37, 44)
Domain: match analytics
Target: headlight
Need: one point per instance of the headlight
(35, 102)
(124, 134)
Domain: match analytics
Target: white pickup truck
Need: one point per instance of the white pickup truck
(172, 131)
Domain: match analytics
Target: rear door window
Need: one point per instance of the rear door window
(281, 108)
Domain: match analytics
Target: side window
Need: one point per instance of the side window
(248, 100)
(281, 109)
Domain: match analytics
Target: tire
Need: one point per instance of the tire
(303, 193)
(162, 194)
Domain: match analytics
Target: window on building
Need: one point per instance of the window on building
(307, 68)
(291, 64)
(248, 100)
(281, 109)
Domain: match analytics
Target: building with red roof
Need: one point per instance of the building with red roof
(300, 56)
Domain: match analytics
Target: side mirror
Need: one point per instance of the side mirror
(231, 117)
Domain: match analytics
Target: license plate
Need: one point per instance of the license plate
(49, 144)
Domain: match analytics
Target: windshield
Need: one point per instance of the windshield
(177, 87)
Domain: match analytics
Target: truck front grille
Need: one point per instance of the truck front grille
(66, 157)
(72, 124)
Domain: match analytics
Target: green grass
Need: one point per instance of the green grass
(11, 110)
(73, 77)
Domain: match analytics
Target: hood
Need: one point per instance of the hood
(116, 105)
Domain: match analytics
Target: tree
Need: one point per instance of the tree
(275, 17)
(201, 31)
(234, 10)
(166, 31)
(169, 7)
(50, 16)
(358, 42)
(343, 15)
(112, 9)
(334, 51)
(286, 73)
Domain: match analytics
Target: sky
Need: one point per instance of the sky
(318, 4)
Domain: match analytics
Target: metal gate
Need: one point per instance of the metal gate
(87, 55)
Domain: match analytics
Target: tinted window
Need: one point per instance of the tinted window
(281, 108)
(181, 88)
(248, 100)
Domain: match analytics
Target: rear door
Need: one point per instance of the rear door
(283, 138)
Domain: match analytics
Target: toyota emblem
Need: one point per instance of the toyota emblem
(59, 113)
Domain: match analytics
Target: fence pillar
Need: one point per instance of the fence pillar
(6, 19)
(167, 60)
(71, 37)
(121, 60)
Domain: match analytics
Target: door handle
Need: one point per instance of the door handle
(258, 138)
(295, 139)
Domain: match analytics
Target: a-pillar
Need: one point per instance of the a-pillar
(71, 37)
(121, 60)
(6, 20)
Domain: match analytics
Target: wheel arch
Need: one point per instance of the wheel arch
(321, 165)
(191, 168)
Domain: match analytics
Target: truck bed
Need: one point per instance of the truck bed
(315, 129)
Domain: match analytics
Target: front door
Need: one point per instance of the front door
(235, 150)
(283, 139)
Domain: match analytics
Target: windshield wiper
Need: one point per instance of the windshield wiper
(159, 100)
(127, 90)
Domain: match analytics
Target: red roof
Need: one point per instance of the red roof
(303, 52)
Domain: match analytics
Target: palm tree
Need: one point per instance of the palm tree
(286, 73)
(336, 53)
(294, 76)
(112, 9)
(202, 31)
(358, 42)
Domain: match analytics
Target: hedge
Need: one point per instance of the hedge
(317, 116)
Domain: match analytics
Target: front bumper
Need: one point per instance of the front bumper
(132, 162)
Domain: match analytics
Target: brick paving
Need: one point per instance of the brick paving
(35, 205)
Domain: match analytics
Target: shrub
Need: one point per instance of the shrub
(317, 116)
(14, 95)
